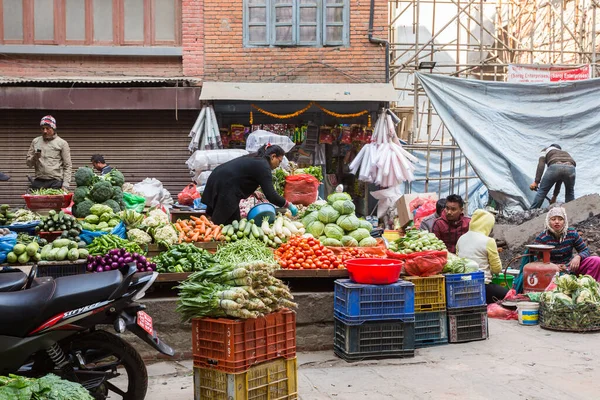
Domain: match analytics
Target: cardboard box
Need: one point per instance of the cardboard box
(405, 216)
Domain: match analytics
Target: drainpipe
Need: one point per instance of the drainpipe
(379, 41)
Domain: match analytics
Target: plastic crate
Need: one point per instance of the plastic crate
(465, 290)
(354, 303)
(55, 202)
(235, 345)
(372, 340)
(430, 292)
(57, 270)
(468, 325)
(274, 380)
(431, 328)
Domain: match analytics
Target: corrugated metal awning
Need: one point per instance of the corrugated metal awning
(245, 91)
(114, 80)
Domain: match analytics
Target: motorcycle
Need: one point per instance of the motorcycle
(52, 326)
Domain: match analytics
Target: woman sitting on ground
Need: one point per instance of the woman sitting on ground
(565, 240)
(477, 245)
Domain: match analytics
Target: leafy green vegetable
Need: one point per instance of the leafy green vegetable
(310, 218)
(82, 209)
(117, 194)
(344, 207)
(360, 234)
(328, 215)
(80, 194)
(331, 242)
(49, 387)
(348, 223)
(332, 231)
(101, 191)
(115, 178)
(279, 176)
(349, 241)
(363, 223)
(567, 284)
(85, 177)
(114, 206)
(333, 197)
(99, 209)
(315, 228)
(317, 172)
(368, 242)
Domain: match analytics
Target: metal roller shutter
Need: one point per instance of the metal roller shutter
(141, 144)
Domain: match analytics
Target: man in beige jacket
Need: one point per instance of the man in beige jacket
(51, 157)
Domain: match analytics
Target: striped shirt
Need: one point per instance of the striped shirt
(563, 252)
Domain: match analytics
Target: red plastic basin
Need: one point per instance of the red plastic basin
(374, 271)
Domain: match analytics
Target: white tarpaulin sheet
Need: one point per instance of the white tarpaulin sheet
(502, 127)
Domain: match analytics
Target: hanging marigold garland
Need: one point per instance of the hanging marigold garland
(302, 111)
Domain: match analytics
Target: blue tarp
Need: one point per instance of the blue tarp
(502, 128)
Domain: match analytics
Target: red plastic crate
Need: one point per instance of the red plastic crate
(56, 202)
(234, 346)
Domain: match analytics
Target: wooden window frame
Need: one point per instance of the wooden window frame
(321, 25)
(60, 27)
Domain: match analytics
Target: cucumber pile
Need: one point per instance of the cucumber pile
(22, 254)
(6, 216)
(248, 229)
(58, 221)
(62, 250)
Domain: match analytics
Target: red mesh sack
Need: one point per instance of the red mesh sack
(301, 189)
(425, 210)
(499, 312)
(187, 196)
(426, 263)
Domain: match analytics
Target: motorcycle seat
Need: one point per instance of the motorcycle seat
(12, 280)
(23, 311)
(77, 291)
(19, 310)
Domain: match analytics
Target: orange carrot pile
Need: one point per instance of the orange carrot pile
(198, 229)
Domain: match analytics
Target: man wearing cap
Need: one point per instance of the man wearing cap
(51, 157)
(561, 169)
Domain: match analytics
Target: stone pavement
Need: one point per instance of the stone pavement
(517, 362)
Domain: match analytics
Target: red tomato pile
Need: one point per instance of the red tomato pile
(306, 253)
(356, 252)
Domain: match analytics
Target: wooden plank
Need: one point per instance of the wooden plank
(172, 277)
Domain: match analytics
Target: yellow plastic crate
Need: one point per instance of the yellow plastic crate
(430, 292)
(273, 380)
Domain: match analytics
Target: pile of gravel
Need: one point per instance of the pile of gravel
(519, 217)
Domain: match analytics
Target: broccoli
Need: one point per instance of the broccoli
(114, 205)
(101, 191)
(85, 177)
(115, 178)
(82, 209)
(117, 194)
(80, 194)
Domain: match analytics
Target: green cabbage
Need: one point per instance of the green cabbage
(344, 207)
(328, 215)
(349, 241)
(360, 234)
(332, 231)
(310, 218)
(332, 242)
(363, 223)
(315, 228)
(322, 238)
(368, 242)
(348, 223)
(333, 197)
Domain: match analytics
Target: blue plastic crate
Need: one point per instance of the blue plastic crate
(465, 290)
(431, 328)
(383, 339)
(355, 303)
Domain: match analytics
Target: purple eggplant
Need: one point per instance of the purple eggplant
(99, 269)
(90, 268)
(127, 260)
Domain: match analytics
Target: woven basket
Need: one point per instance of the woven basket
(583, 317)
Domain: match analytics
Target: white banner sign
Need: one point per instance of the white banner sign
(532, 74)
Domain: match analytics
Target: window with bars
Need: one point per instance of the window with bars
(91, 22)
(296, 23)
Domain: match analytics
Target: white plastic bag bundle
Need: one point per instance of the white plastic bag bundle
(205, 160)
(154, 192)
(261, 137)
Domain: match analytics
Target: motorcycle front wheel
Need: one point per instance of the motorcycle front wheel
(100, 360)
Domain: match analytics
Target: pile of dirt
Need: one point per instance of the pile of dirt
(519, 217)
